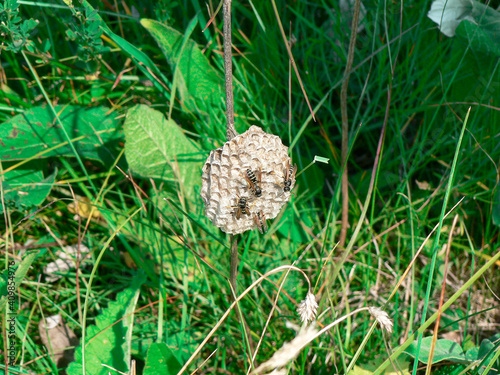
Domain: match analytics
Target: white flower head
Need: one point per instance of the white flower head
(308, 308)
(382, 318)
(449, 13)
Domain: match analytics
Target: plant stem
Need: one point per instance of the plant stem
(345, 124)
(228, 68)
(233, 270)
(231, 133)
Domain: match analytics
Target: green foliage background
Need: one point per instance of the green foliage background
(108, 114)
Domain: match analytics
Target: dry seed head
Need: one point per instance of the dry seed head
(382, 318)
(308, 308)
(223, 179)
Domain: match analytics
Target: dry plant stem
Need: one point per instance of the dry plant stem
(239, 298)
(436, 327)
(405, 273)
(389, 351)
(233, 270)
(213, 15)
(345, 124)
(330, 280)
(230, 134)
(398, 351)
(231, 131)
(205, 361)
(228, 68)
(269, 317)
(334, 323)
(289, 50)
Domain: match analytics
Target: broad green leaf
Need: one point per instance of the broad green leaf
(26, 188)
(453, 316)
(93, 132)
(472, 354)
(199, 84)
(108, 342)
(445, 350)
(157, 148)
(161, 361)
(481, 38)
(487, 350)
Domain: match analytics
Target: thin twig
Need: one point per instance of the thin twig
(234, 304)
(228, 68)
(345, 124)
(233, 271)
(231, 133)
(290, 56)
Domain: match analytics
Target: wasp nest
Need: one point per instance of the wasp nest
(247, 181)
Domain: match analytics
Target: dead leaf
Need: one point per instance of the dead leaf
(84, 208)
(59, 339)
(424, 185)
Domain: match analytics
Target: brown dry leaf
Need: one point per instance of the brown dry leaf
(424, 185)
(58, 338)
(129, 261)
(84, 208)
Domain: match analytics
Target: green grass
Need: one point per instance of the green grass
(178, 262)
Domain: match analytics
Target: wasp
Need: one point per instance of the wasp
(241, 206)
(260, 220)
(254, 181)
(289, 176)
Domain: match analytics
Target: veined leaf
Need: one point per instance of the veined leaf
(108, 342)
(199, 84)
(445, 350)
(93, 132)
(157, 148)
(26, 188)
(481, 39)
(161, 360)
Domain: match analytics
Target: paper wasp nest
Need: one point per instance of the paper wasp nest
(224, 183)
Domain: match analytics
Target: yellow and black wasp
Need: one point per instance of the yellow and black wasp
(254, 181)
(260, 220)
(289, 176)
(241, 207)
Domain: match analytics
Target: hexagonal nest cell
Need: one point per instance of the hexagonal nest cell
(230, 181)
